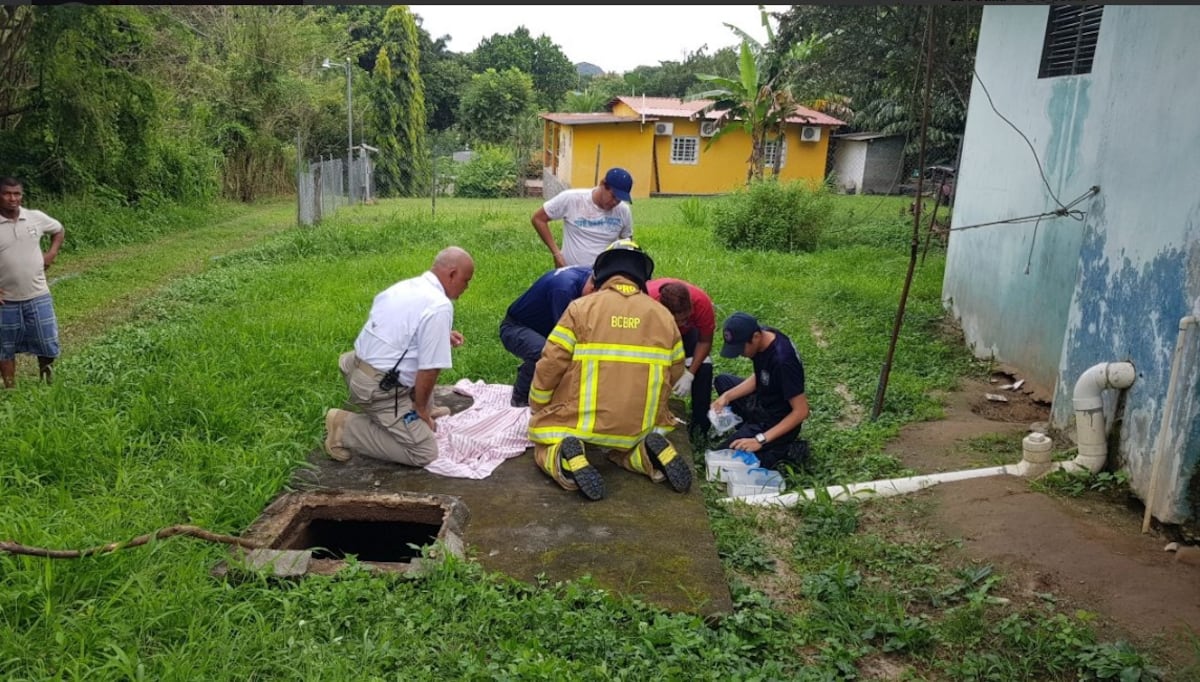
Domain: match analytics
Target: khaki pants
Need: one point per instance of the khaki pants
(380, 431)
(545, 456)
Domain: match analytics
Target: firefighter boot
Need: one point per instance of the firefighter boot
(665, 459)
(573, 461)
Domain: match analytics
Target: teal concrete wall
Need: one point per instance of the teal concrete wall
(1011, 284)
(1113, 285)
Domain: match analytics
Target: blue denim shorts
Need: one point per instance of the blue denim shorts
(28, 327)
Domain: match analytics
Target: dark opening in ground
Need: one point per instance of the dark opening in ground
(385, 533)
(384, 541)
(315, 532)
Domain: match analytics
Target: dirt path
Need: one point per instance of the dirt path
(158, 263)
(1088, 552)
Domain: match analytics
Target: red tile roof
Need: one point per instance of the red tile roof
(661, 106)
(584, 119)
(672, 107)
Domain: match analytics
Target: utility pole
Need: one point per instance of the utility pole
(349, 134)
(328, 64)
(886, 370)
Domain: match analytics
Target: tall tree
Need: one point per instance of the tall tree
(550, 70)
(15, 24)
(399, 105)
(445, 75)
(873, 55)
(495, 104)
(679, 79)
(91, 117)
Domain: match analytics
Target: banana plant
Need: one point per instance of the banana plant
(759, 101)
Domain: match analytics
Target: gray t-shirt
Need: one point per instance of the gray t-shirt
(587, 228)
(22, 269)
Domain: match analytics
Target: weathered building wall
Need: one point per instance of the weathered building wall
(849, 165)
(883, 169)
(1114, 285)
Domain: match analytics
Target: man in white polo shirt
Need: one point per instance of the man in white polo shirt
(592, 219)
(27, 320)
(395, 363)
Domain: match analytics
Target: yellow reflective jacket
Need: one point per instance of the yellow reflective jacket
(607, 370)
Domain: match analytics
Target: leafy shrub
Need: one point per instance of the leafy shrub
(532, 168)
(490, 174)
(773, 215)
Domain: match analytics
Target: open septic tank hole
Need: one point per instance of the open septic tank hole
(369, 540)
(315, 532)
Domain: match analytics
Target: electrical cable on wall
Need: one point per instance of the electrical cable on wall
(1067, 210)
(1023, 137)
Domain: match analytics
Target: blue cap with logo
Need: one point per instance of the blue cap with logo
(739, 328)
(620, 182)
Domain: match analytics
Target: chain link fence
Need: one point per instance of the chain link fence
(321, 188)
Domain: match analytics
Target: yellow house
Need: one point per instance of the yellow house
(662, 142)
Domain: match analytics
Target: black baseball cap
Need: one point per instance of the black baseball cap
(739, 328)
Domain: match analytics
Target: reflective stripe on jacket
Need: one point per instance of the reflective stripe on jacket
(607, 369)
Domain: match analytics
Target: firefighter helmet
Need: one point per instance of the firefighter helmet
(624, 256)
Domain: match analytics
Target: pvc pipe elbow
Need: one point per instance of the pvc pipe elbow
(1098, 377)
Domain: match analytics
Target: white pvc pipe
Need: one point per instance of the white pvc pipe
(1164, 431)
(882, 488)
(1091, 439)
(1090, 433)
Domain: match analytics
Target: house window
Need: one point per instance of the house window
(685, 150)
(1070, 43)
(770, 149)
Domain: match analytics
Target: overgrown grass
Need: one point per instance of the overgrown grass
(99, 222)
(201, 402)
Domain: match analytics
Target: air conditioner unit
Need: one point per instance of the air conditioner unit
(708, 128)
(664, 128)
(810, 134)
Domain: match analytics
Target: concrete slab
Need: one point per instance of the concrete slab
(642, 540)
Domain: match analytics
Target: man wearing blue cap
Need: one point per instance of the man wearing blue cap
(592, 219)
(771, 401)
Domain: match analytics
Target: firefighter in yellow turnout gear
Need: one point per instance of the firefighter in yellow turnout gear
(604, 379)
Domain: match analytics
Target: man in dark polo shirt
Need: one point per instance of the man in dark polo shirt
(771, 401)
(532, 317)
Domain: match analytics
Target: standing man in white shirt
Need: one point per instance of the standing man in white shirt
(592, 219)
(27, 320)
(395, 363)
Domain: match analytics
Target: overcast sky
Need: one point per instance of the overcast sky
(613, 37)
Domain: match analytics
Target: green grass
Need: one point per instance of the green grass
(198, 402)
(990, 450)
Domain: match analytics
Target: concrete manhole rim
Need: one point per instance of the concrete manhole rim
(280, 517)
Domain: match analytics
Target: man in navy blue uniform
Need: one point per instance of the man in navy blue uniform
(771, 401)
(532, 317)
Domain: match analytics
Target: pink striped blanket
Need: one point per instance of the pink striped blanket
(472, 443)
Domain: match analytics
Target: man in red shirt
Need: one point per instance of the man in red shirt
(693, 313)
